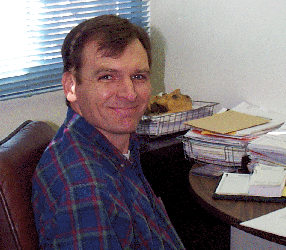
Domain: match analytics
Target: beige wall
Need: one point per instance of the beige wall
(48, 107)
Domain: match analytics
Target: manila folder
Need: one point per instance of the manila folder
(226, 122)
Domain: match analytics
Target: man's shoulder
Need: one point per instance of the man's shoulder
(65, 163)
(66, 145)
(61, 151)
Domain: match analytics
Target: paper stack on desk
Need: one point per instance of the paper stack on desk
(214, 149)
(266, 181)
(228, 147)
(227, 122)
(269, 148)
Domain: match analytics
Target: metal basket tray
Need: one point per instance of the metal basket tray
(158, 125)
(218, 154)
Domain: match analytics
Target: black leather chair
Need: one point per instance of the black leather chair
(19, 155)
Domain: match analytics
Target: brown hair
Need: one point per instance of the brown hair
(112, 34)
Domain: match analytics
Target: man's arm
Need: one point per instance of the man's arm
(79, 219)
(169, 234)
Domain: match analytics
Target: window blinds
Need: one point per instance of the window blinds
(31, 60)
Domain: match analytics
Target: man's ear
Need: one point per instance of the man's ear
(69, 83)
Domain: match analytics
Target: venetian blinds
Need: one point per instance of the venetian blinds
(33, 32)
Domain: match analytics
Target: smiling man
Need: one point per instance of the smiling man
(113, 93)
(89, 191)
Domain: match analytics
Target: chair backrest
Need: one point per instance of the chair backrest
(19, 155)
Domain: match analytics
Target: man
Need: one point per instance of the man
(89, 191)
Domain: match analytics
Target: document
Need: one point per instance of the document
(272, 223)
(219, 154)
(267, 181)
(229, 148)
(233, 184)
(276, 119)
(267, 176)
(272, 141)
(226, 122)
(269, 148)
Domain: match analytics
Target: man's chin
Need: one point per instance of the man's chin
(128, 128)
(121, 126)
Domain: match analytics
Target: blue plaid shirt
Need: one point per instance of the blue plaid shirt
(87, 195)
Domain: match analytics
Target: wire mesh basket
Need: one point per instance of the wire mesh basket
(169, 123)
(217, 154)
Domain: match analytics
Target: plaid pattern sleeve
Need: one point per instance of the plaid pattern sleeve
(86, 195)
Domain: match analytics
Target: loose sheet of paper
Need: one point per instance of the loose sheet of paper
(272, 223)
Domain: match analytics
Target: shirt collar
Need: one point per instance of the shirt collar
(80, 126)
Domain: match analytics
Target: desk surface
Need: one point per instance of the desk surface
(233, 212)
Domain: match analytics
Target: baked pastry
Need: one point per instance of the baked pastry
(155, 109)
(169, 103)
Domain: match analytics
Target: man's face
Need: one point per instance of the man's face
(114, 92)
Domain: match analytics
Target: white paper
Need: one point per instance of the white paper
(267, 175)
(274, 222)
(228, 149)
(214, 153)
(276, 118)
(275, 140)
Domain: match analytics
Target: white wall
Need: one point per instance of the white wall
(224, 51)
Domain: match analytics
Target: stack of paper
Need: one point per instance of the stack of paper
(269, 148)
(266, 181)
(221, 154)
(223, 138)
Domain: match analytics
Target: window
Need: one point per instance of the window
(33, 32)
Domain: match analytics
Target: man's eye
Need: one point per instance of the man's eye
(105, 77)
(139, 77)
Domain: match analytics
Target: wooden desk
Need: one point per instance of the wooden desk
(233, 212)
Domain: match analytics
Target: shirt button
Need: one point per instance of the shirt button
(122, 165)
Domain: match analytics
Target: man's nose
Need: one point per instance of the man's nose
(127, 90)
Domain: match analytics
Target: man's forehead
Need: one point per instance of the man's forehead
(93, 52)
(95, 46)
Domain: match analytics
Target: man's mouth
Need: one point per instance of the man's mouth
(127, 109)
